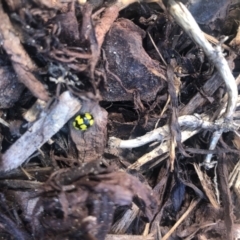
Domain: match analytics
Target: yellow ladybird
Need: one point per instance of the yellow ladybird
(83, 121)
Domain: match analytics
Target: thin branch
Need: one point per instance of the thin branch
(160, 153)
(42, 130)
(181, 219)
(213, 143)
(128, 237)
(184, 18)
(162, 133)
(215, 137)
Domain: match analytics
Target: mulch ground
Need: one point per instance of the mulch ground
(107, 112)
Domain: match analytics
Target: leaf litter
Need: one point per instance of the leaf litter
(161, 159)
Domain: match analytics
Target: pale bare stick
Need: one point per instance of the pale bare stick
(162, 133)
(184, 18)
(43, 129)
(128, 237)
(159, 152)
(214, 139)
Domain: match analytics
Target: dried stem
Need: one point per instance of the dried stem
(42, 130)
(162, 133)
(181, 219)
(184, 18)
(159, 134)
(128, 237)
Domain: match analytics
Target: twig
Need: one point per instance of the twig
(22, 184)
(234, 179)
(191, 236)
(3, 122)
(184, 18)
(42, 130)
(215, 137)
(233, 175)
(156, 48)
(215, 182)
(160, 151)
(181, 219)
(216, 42)
(18, 173)
(122, 224)
(159, 134)
(213, 143)
(128, 237)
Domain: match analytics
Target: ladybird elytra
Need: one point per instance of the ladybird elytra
(88, 116)
(79, 120)
(83, 121)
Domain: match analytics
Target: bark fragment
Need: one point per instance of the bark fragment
(130, 69)
(21, 62)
